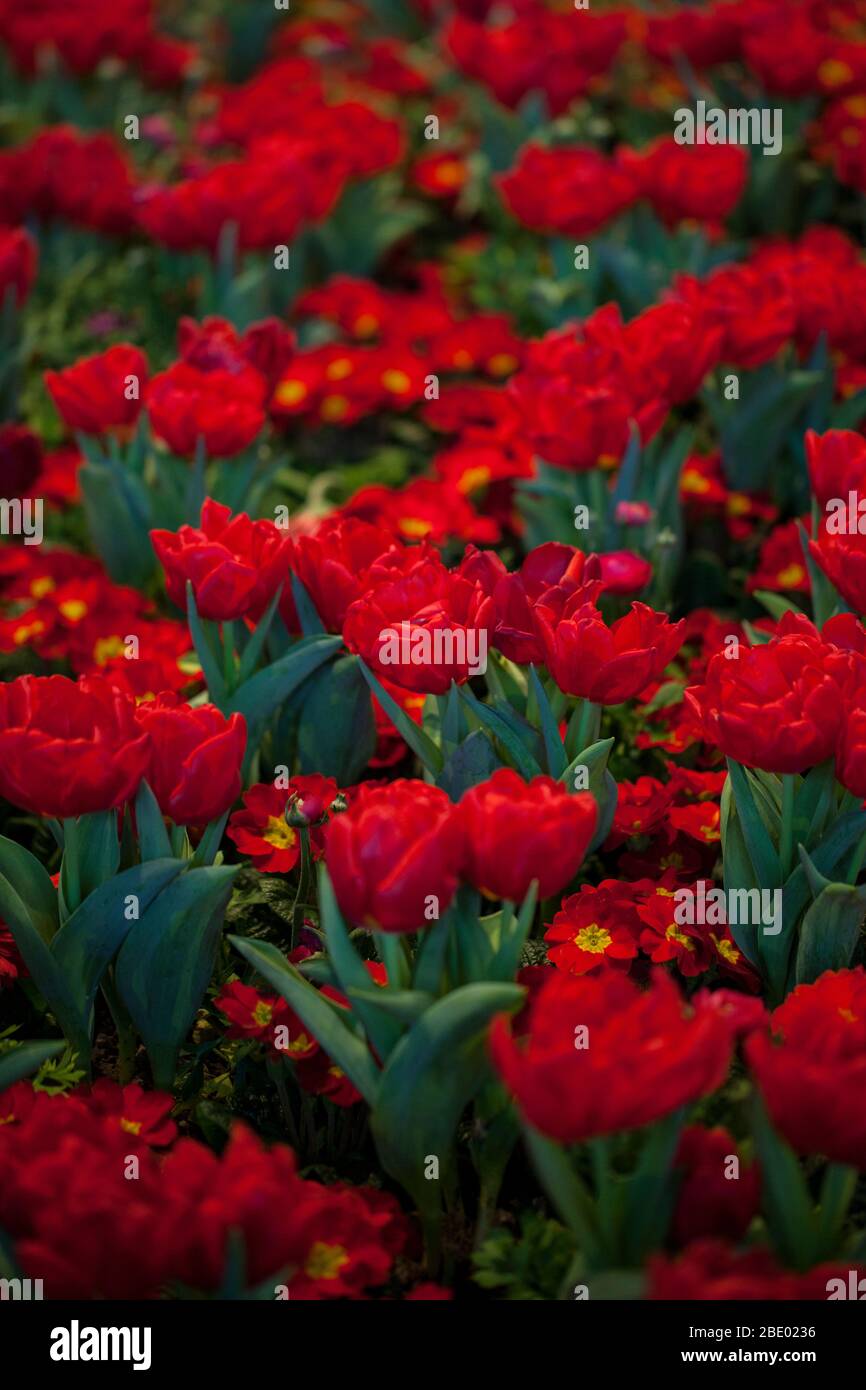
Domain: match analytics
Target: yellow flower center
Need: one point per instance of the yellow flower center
(791, 576)
(501, 363)
(26, 631)
(340, 368)
(107, 647)
(130, 1126)
(395, 380)
(366, 325)
(474, 478)
(679, 937)
(334, 408)
(593, 938)
(325, 1261)
(290, 392)
(414, 526)
(40, 587)
(263, 1013)
(74, 609)
(278, 834)
(834, 72)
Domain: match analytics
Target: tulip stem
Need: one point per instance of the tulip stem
(786, 835)
(305, 882)
(857, 858)
(71, 875)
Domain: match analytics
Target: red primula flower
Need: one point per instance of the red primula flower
(261, 831)
(594, 927)
(259, 1016)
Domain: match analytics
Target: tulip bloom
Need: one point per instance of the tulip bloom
(223, 408)
(422, 629)
(68, 748)
(837, 464)
(101, 393)
(235, 565)
(602, 1055)
(394, 850)
(194, 768)
(777, 707)
(18, 258)
(516, 831)
(606, 665)
(334, 563)
(815, 1067)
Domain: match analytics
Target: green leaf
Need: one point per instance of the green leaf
(785, 1195)
(97, 853)
(513, 935)
(351, 971)
(760, 848)
(830, 931)
(565, 1190)
(337, 727)
(473, 761)
(500, 726)
(26, 1059)
(153, 841)
(431, 1076)
(314, 1010)
(259, 697)
(256, 640)
(167, 960)
(421, 744)
(117, 511)
(311, 623)
(89, 940)
(208, 658)
(404, 1005)
(31, 884)
(554, 747)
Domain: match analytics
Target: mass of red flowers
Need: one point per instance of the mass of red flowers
(433, 650)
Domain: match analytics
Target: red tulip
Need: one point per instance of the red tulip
(235, 565)
(194, 766)
(68, 748)
(601, 1055)
(101, 393)
(599, 663)
(224, 409)
(516, 831)
(393, 856)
